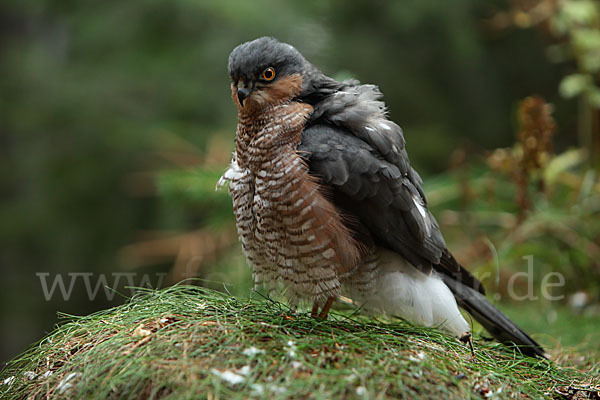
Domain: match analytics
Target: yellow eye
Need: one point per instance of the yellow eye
(268, 74)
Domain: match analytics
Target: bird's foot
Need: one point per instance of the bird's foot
(326, 308)
(324, 312)
(315, 310)
(466, 339)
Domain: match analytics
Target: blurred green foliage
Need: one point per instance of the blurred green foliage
(480, 218)
(97, 97)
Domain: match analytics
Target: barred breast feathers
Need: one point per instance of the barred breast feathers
(318, 217)
(348, 251)
(291, 201)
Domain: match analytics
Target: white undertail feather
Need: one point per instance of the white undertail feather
(400, 290)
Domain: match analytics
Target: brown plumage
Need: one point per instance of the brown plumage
(289, 231)
(326, 200)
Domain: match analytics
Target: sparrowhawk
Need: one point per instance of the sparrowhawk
(326, 201)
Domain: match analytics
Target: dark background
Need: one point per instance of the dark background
(98, 98)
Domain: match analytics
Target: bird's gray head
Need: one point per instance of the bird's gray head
(250, 60)
(265, 71)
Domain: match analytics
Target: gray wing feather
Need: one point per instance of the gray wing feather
(368, 185)
(360, 156)
(359, 109)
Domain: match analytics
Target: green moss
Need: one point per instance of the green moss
(190, 342)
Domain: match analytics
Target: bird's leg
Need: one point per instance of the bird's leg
(326, 307)
(315, 310)
(466, 338)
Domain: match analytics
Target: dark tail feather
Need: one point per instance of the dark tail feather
(492, 319)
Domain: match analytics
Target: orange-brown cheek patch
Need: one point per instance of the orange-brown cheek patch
(283, 89)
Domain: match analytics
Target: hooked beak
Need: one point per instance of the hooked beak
(242, 93)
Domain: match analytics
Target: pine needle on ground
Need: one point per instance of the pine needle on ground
(191, 342)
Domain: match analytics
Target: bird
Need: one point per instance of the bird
(327, 203)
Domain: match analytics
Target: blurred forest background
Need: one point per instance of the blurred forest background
(116, 122)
